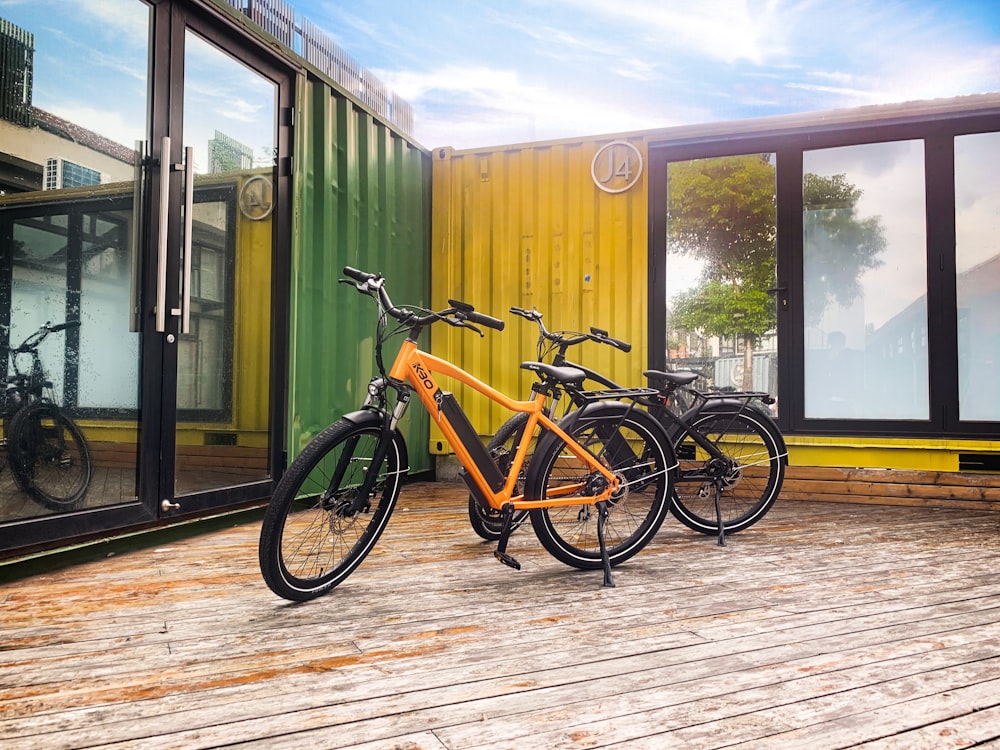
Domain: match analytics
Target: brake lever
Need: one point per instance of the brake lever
(459, 323)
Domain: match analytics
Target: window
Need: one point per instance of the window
(720, 266)
(865, 282)
(977, 280)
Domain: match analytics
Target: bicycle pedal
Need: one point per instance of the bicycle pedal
(507, 560)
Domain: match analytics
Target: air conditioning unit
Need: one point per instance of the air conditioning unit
(62, 173)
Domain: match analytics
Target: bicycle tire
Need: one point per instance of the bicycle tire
(645, 464)
(311, 539)
(486, 520)
(49, 456)
(750, 488)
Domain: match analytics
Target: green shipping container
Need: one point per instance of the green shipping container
(362, 198)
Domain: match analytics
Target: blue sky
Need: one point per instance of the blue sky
(482, 74)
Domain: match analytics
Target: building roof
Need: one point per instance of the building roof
(78, 134)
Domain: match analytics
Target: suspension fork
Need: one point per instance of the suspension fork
(389, 421)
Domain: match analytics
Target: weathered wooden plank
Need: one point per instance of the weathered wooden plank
(816, 595)
(968, 730)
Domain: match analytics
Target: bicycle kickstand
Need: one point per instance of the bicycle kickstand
(602, 517)
(718, 512)
(507, 519)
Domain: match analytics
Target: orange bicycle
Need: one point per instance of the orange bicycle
(597, 487)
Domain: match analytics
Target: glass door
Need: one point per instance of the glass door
(215, 318)
(74, 124)
(720, 271)
(141, 207)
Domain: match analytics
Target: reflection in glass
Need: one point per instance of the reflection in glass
(223, 375)
(720, 264)
(977, 259)
(73, 103)
(865, 282)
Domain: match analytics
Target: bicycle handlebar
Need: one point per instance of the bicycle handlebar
(31, 343)
(603, 337)
(359, 276)
(459, 314)
(466, 312)
(566, 339)
(63, 326)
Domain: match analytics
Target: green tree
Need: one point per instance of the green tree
(722, 211)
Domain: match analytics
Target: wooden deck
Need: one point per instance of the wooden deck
(827, 625)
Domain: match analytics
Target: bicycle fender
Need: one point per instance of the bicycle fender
(734, 405)
(366, 417)
(595, 410)
(372, 417)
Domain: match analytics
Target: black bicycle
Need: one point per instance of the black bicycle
(47, 453)
(732, 454)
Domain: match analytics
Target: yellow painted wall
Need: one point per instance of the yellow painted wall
(527, 226)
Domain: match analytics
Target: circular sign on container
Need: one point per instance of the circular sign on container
(616, 167)
(257, 198)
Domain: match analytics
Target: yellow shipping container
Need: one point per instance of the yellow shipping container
(560, 226)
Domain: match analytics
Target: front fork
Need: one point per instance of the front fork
(376, 401)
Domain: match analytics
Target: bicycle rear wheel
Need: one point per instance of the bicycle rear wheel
(486, 520)
(49, 456)
(317, 529)
(751, 471)
(635, 448)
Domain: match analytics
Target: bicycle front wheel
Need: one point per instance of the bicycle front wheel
(317, 528)
(634, 447)
(486, 521)
(49, 456)
(749, 472)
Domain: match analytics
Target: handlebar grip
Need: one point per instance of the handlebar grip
(604, 338)
(359, 276)
(529, 314)
(484, 320)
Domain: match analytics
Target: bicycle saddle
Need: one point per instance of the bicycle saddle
(568, 375)
(674, 378)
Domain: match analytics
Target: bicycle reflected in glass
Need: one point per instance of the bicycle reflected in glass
(47, 453)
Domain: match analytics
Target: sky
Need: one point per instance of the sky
(482, 74)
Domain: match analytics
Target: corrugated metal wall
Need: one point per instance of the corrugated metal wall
(361, 199)
(528, 226)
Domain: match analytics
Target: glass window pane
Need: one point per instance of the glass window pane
(721, 240)
(865, 282)
(977, 258)
(73, 104)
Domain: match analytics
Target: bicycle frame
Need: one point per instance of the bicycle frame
(418, 367)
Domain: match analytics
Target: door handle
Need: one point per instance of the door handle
(161, 240)
(188, 221)
(138, 222)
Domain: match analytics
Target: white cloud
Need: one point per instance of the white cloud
(107, 123)
(128, 21)
(471, 107)
(726, 30)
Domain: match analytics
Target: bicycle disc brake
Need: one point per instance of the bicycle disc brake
(346, 503)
